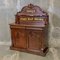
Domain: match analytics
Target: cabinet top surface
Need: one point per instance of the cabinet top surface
(25, 25)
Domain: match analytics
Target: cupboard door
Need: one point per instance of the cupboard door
(19, 38)
(34, 40)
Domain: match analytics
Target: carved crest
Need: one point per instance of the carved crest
(32, 10)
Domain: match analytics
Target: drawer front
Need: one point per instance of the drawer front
(19, 38)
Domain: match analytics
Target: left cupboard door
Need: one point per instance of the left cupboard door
(18, 38)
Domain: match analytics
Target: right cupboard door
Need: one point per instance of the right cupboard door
(34, 40)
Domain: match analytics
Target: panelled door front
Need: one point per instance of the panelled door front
(34, 40)
(19, 38)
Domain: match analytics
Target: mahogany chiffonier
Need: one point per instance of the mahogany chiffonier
(29, 33)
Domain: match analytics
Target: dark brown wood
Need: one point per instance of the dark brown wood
(29, 33)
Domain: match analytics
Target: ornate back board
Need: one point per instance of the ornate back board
(33, 14)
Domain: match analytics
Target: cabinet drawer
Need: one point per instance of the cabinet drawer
(34, 28)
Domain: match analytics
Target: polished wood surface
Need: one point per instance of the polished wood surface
(29, 33)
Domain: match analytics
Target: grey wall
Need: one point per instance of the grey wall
(8, 9)
(7, 12)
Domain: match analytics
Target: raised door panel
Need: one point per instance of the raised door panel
(34, 40)
(19, 38)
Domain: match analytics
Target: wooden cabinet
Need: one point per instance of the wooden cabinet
(28, 39)
(29, 33)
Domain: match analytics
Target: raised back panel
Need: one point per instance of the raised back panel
(31, 13)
